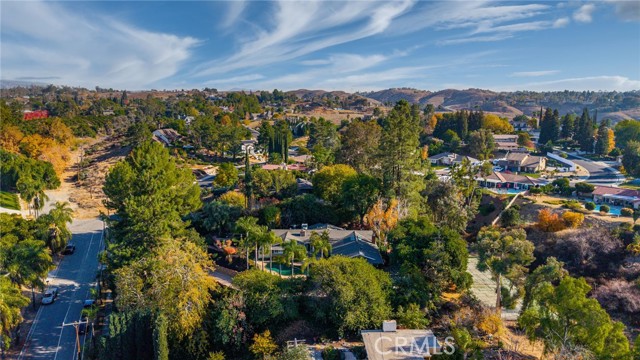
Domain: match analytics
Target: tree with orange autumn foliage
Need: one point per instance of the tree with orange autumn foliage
(549, 222)
(382, 218)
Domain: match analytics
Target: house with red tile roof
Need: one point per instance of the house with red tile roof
(616, 196)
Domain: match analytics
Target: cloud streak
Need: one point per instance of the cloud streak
(593, 83)
(534, 73)
(42, 39)
(301, 28)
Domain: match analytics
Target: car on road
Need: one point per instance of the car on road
(50, 296)
(69, 249)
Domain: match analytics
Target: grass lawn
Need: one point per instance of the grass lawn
(9, 200)
(531, 175)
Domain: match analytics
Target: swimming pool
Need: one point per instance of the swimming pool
(286, 270)
(507, 191)
(614, 210)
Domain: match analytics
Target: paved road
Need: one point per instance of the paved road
(599, 173)
(74, 277)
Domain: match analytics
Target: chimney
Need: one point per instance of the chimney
(389, 326)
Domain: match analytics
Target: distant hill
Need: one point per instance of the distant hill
(9, 84)
(613, 105)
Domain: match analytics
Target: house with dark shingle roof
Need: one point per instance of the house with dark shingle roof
(349, 243)
(448, 159)
(517, 161)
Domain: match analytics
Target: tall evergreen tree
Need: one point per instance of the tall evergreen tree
(547, 127)
(462, 124)
(150, 195)
(604, 135)
(399, 148)
(585, 132)
(555, 126)
(248, 181)
(567, 126)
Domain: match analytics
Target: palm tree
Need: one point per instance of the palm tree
(294, 251)
(39, 200)
(269, 239)
(320, 244)
(57, 220)
(248, 226)
(11, 303)
(27, 263)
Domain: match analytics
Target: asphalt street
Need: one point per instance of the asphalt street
(599, 173)
(74, 277)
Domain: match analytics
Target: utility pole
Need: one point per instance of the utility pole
(76, 324)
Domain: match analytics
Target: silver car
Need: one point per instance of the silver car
(50, 295)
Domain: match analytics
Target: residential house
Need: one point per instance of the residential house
(503, 180)
(524, 162)
(399, 344)
(616, 196)
(349, 243)
(448, 159)
(506, 142)
(166, 136)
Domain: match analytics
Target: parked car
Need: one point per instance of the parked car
(69, 249)
(50, 296)
(497, 168)
(88, 303)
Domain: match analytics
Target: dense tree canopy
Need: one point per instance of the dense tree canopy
(150, 195)
(565, 319)
(349, 294)
(431, 259)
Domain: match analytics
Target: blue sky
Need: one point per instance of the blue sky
(331, 45)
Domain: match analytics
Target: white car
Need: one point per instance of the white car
(50, 296)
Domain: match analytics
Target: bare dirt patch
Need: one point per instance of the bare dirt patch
(86, 195)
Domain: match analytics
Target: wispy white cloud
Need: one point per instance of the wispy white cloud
(473, 39)
(43, 39)
(605, 83)
(236, 79)
(234, 11)
(584, 13)
(497, 21)
(534, 73)
(301, 28)
(561, 22)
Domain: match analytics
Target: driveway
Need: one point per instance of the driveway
(599, 172)
(74, 277)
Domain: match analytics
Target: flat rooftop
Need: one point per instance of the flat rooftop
(399, 344)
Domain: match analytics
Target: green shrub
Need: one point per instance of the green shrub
(590, 206)
(486, 209)
(330, 353)
(572, 204)
(535, 191)
(605, 209)
(626, 212)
